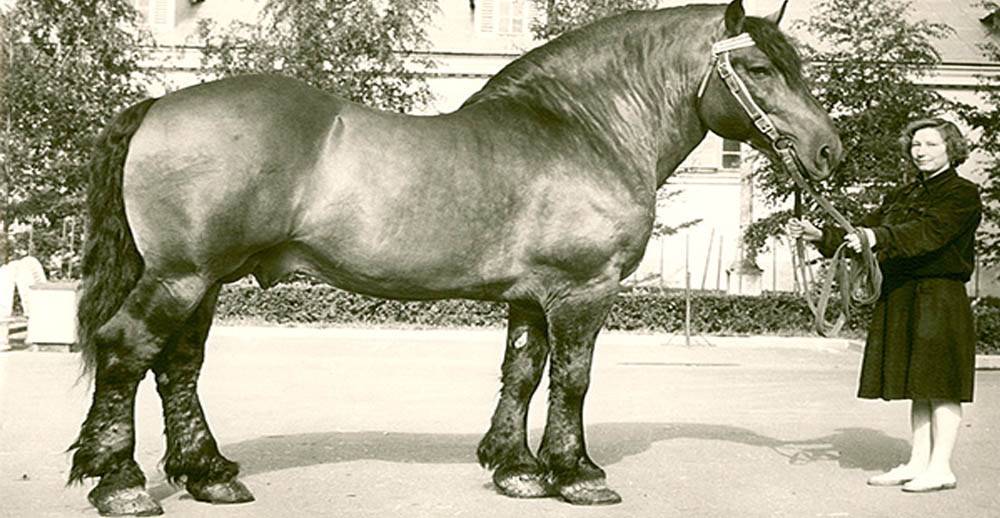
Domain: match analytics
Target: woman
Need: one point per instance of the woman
(921, 341)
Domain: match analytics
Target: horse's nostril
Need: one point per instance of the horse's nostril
(826, 155)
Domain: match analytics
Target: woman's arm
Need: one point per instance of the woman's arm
(932, 227)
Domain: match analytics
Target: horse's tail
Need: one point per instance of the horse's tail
(111, 263)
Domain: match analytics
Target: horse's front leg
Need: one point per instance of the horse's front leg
(505, 447)
(193, 456)
(573, 326)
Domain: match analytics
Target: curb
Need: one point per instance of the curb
(987, 362)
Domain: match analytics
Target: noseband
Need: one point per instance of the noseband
(860, 281)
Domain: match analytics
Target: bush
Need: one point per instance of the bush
(652, 310)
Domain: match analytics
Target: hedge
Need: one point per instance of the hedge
(650, 310)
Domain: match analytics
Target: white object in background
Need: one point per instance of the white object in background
(20, 274)
(27, 272)
(53, 313)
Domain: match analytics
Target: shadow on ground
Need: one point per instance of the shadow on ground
(609, 443)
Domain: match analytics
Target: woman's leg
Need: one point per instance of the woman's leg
(946, 418)
(920, 424)
(920, 451)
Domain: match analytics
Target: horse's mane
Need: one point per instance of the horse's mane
(651, 30)
(627, 67)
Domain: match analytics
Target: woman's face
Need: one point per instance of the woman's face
(928, 150)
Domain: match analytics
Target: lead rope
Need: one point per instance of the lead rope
(860, 278)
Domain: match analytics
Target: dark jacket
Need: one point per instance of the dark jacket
(923, 229)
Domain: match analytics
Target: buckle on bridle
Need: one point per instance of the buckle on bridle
(782, 144)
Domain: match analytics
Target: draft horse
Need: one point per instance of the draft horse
(539, 191)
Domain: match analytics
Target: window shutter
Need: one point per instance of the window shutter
(161, 14)
(487, 16)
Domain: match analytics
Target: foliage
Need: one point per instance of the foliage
(661, 228)
(307, 302)
(865, 57)
(69, 67)
(563, 15)
(987, 119)
(361, 50)
(986, 313)
(647, 309)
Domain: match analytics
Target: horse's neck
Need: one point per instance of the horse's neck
(636, 106)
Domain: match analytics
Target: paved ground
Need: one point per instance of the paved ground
(360, 423)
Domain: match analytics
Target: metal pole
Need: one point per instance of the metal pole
(718, 267)
(977, 277)
(774, 265)
(708, 259)
(662, 253)
(687, 293)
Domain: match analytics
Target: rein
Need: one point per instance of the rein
(860, 278)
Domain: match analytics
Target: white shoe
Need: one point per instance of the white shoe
(928, 484)
(894, 477)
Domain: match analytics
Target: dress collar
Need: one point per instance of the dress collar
(941, 176)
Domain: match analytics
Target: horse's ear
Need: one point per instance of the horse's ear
(734, 18)
(777, 15)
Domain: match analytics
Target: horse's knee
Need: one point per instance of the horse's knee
(524, 357)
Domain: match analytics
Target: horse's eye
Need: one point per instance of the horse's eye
(759, 71)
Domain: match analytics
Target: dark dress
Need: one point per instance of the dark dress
(921, 340)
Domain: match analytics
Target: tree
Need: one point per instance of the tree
(362, 50)
(987, 119)
(69, 67)
(563, 15)
(865, 57)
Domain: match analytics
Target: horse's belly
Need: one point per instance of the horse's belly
(401, 271)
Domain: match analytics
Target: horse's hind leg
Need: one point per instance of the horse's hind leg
(505, 447)
(192, 454)
(126, 346)
(574, 323)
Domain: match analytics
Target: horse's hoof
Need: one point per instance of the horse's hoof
(232, 492)
(589, 492)
(129, 501)
(523, 485)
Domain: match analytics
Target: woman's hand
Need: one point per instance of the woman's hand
(854, 242)
(800, 228)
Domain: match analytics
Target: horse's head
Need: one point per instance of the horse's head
(754, 92)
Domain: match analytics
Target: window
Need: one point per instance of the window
(504, 17)
(714, 154)
(732, 154)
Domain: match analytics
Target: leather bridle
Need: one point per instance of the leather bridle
(860, 278)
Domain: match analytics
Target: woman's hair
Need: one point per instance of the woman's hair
(955, 144)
